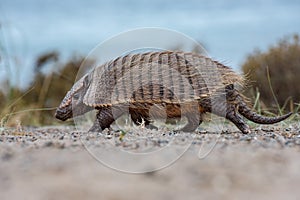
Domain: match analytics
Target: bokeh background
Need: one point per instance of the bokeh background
(42, 44)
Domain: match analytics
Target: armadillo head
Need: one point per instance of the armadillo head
(72, 105)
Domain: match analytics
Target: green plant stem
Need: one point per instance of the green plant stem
(272, 91)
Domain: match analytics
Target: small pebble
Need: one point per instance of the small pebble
(297, 142)
(48, 144)
(245, 138)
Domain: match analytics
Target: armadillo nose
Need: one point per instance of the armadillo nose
(61, 115)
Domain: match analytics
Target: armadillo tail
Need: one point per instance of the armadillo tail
(252, 116)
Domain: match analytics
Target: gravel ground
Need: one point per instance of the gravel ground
(62, 163)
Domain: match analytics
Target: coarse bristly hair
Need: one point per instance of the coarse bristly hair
(135, 77)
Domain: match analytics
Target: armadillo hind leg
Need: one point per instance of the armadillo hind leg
(232, 111)
(235, 118)
(105, 117)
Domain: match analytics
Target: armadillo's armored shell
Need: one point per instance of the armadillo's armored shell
(157, 77)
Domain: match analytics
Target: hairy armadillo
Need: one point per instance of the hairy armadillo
(182, 83)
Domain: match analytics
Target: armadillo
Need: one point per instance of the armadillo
(182, 83)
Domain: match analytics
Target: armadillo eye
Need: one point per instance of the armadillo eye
(76, 96)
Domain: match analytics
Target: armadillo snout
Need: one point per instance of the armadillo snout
(63, 114)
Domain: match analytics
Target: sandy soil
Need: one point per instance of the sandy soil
(53, 163)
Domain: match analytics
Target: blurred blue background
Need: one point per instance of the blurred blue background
(229, 30)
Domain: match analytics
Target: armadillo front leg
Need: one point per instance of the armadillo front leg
(138, 119)
(105, 117)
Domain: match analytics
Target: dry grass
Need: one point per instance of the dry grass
(36, 105)
(274, 76)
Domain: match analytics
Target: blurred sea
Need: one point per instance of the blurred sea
(229, 30)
